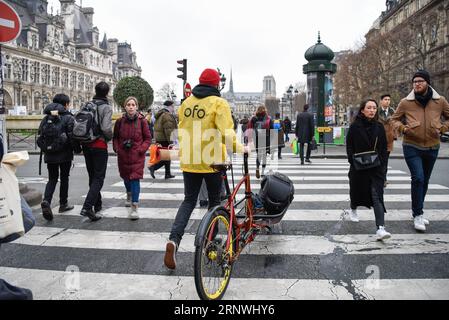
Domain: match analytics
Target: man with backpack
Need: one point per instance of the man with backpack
(259, 129)
(93, 129)
(55, 141)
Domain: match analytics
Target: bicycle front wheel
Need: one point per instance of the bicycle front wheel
(212, 260)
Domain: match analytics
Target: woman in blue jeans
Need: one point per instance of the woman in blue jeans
(132, 139)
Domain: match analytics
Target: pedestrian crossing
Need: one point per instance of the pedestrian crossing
(315, 253)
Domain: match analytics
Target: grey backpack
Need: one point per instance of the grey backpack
(86, 128)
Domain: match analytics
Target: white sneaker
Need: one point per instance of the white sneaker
(354, 216)
(382, 234)
(426, 221)
(134, 212)
(419, 224)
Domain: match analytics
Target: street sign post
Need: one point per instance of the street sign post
(10, 27)
(187, 90)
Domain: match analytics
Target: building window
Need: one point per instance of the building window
(25, 70)
(433, 33)
(73, 80)
(65, 78)
(81, 81)
(46, 74)
(56, 77)
(8, 71)
(36, 72)
(24, 101)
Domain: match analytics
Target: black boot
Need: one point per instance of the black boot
(169, 176)
(152, 172)
(65, 208)
(46, 211)
(91, 215)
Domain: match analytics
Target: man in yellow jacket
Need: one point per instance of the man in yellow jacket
(206, 132)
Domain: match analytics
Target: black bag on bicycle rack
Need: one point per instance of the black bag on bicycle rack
(277, 193)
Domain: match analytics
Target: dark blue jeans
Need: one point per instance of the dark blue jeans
(133, 187)
(192, 186)
(421, 164)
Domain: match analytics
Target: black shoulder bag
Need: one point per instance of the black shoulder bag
(367, 160)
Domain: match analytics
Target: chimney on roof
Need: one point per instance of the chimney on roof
(89, 14)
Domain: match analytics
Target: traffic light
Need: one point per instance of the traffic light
(183, 69)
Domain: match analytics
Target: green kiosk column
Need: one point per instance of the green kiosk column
(320, 64)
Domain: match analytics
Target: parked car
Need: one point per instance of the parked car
(445, 137)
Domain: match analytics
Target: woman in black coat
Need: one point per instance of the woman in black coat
(367, 186)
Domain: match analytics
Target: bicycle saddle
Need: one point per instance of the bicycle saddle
(220, 167)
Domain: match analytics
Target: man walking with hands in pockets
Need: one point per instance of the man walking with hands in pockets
(419, 118)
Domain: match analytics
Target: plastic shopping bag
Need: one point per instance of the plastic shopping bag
(295, 147)
(155, 156)
(11, 220)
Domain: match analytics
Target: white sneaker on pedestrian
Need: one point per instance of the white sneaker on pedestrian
(134, 212)
(354, 216)
(382, 234)
(419, 224)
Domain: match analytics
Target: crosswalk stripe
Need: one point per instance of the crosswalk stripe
(155, 185)
(292, 215)
(60, 285)
(343, 178)
(273, 245)
(312, 171)
(298, 198)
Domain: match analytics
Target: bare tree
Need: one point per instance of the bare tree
(166, 92)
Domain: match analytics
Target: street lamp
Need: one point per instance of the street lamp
(222, 79)
(283, 102)
(290, 95)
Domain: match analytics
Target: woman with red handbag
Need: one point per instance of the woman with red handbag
(132, 139)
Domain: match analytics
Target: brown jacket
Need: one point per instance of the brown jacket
(389, 130)
(424, 125)
(164, 126)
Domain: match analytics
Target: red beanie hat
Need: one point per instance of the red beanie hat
(210, 77)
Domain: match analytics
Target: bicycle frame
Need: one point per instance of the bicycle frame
(246, 231)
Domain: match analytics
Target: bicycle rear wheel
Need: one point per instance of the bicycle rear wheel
(212, 260)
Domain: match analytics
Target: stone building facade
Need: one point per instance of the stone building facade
(60, 53)
(420, 31)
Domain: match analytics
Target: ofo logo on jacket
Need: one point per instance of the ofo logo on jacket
(196, 112)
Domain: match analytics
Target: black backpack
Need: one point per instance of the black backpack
(86, 128)
(277, 193)
(52, 136)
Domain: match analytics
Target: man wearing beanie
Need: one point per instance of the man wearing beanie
(164, 127)
(205, 124)
(419, 117)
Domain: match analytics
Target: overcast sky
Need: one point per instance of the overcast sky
(254, 37)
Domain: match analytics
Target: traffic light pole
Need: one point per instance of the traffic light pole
(2, 105)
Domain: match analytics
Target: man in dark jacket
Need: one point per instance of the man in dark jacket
(59, 162)
(96, 154)
(288, 128)
(305, 130)
(164, 127)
